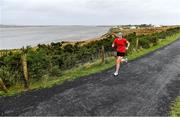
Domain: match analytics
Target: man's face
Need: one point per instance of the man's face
(120, 37)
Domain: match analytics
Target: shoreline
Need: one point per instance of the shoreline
(141, 31)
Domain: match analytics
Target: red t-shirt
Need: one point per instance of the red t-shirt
(120, 44)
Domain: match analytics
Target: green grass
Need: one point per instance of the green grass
(175, 109)
(86, 69)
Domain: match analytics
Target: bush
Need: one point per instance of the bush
(55, 71)
(144, 42)
(38, 64)
(8, 76)
(68, 48)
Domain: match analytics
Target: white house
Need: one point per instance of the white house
(156, 26)
(132, 27)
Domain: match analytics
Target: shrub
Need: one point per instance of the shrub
(68, 48)
(8, 76)
(55, 71)
(144, 42)
(38, 64)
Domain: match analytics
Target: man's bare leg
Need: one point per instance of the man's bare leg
(119, 60)
(118, 63)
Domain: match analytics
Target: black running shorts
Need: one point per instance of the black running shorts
(121, 54)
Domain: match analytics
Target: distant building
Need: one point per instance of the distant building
(118, 27)
(132, 27)
(156, 26)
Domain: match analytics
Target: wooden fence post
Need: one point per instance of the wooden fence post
(102, 54)
(137, 43)
(25, 70)
(3, 86)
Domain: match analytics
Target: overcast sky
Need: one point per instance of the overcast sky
(89, 12)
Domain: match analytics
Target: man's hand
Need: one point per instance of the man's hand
(127, 48)
(114, 34)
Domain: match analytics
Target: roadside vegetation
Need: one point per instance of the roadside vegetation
(47, 65)
(175, 109)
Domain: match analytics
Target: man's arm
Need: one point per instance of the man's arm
(128, 44)
(114, 34)
(113, 44)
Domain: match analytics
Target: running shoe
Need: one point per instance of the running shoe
(115, 74)
(126, 60)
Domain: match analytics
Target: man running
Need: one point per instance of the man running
(120, 44)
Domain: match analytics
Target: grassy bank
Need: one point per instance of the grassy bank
(86, 69)
(175, 109)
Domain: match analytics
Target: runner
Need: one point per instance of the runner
(120, 45)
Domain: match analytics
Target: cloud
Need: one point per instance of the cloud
(90, 12)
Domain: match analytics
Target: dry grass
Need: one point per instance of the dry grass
(145, 31)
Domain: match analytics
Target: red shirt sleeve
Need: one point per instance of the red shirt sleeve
(125, 41)
(114, 41)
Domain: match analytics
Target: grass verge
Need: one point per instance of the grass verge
(87, 69)
(175, 109)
